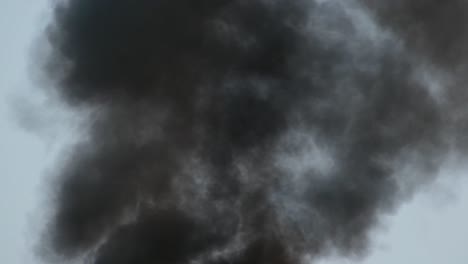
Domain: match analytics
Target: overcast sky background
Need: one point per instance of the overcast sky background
(430, 228)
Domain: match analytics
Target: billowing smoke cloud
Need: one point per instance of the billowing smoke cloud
(242, 132)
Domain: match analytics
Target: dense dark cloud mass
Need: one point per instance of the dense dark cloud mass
(242, 132)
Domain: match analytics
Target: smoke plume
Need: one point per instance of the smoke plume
(242, 132)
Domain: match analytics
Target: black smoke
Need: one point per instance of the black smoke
(433, 29)
(242, 132)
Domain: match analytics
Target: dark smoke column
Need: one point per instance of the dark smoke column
(234, 131)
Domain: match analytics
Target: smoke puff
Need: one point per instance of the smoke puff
(201, 107)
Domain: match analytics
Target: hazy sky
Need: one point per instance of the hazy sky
(429, 229)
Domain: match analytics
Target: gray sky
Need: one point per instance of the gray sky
(429, 229)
